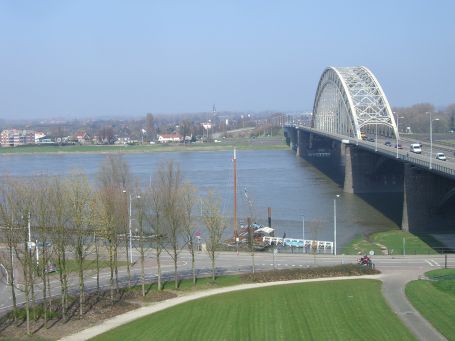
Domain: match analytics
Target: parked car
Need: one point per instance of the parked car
(388, 143)
(441, 156)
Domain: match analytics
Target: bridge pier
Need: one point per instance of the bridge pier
(426, 206)
(367, 172)
(428, 197)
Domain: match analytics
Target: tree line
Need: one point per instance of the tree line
(65, 222)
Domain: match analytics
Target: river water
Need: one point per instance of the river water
(299, 195)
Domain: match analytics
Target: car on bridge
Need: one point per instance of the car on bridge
(416, 148)
(399, 146)
(441, 156)
(388, 143)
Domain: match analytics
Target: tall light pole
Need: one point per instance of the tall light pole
(431, 137)
(335, 224)
(398, 131)
(303, 234)
(376, 139)
(130, 237)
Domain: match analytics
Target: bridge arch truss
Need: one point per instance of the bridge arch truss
(350, 100)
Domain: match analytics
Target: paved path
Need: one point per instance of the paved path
(393, 290)
(394, 283)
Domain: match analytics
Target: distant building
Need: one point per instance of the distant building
(16, 137)
(165, 138)
(82, 137)
(39, 135)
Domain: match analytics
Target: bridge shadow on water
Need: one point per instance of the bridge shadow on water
(389, 204)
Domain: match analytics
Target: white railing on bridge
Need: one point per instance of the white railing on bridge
(319, 245)
(446, 169)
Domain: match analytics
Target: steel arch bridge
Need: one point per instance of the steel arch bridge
(350, 100)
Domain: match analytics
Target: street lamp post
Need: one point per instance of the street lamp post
(130, 236)
(376, 139)
(431, 137)
(398, 131)
(335, 224)
(303, 234)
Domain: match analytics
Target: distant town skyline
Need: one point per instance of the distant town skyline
(114, 59)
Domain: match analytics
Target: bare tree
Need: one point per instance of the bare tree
(188, 198)
(114, 178)
(8, 210)
(59, 215)
(150, 127)
(40, 188)
(169, 184)
(215, 225)
(141, 220)
(154, 215)
(105, 220)
(79, 214)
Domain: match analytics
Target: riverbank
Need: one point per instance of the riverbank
(262, 143)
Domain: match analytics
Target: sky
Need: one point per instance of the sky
(127, 58)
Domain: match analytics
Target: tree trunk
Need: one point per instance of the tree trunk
(44, 276)
(116, 266)
(97, 256)
(176, 278)
(142, 265)
(128, 268)
(111, 265)
(13, 292)
(158, 264)
(212, 256)
(81, 280)
(193, 264)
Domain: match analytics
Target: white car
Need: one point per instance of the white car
(441, 156)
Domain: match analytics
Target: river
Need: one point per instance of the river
(297, 192)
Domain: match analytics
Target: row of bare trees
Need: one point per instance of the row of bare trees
(70, 222)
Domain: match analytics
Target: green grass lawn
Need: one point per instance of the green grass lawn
(338, 310)
(73, 266)
(435, 300)
(392, 240)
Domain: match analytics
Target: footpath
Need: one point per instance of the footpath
(394, 282)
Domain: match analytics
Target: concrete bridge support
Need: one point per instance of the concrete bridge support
(367, 172)
(426, 207)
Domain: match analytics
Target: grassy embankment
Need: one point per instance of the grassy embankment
(435, 299)
(389, 242)
(263, 143)
(338, 310)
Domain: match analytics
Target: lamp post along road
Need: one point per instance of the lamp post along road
(431, 138)
(130, 236)
(376, 139)
(335, 224)
(398, 131)
(303, 234)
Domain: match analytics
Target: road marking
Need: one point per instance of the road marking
(434, 262)
(429, 263)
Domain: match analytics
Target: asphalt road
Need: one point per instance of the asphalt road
(396, 272)
(228, 263)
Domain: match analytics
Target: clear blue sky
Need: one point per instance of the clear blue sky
(91, 58)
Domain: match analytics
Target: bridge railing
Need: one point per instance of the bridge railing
(436, 166)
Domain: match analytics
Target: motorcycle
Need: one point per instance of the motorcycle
(365, 260)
